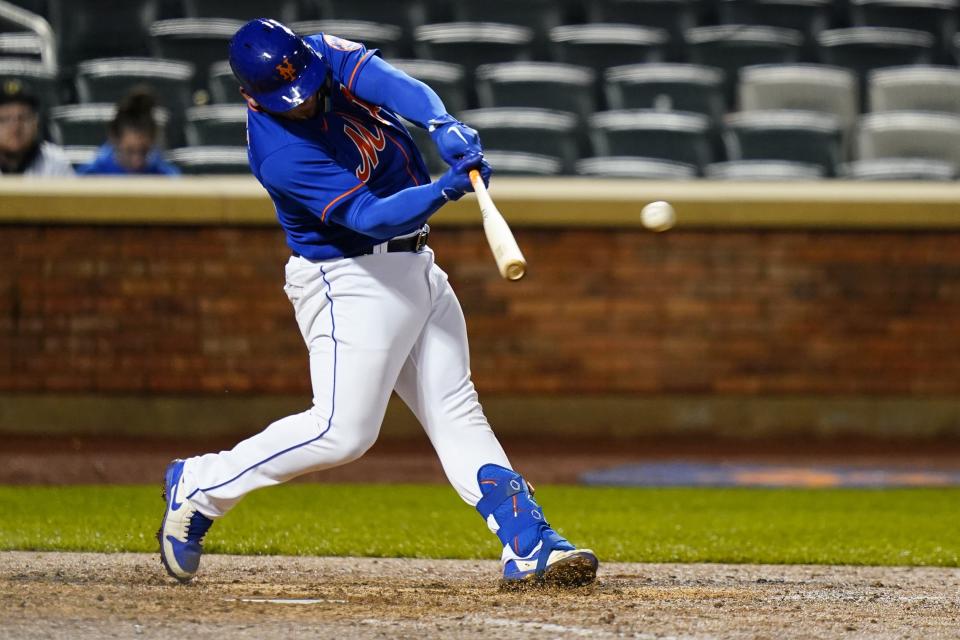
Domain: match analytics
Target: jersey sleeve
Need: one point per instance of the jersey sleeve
(307, 175)
(345, 58)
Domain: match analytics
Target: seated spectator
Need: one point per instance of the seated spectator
(22, 152)
(131, 148)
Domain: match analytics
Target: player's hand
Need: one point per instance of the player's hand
(454, 139)
(456, 181)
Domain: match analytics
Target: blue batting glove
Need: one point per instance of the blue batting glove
(456, 181)
(454, 139)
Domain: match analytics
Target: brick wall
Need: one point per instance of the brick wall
(200, 310)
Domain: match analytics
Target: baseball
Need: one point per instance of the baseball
(658, 216)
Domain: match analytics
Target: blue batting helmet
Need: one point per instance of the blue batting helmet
(274, 65)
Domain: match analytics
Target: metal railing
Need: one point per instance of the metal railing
(12, 14)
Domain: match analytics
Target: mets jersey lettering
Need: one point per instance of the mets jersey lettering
(368, 143)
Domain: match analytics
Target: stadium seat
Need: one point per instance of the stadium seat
(34, 76)
(110, 79)
(88, 29)
(472, 44)
(764, 170)
(446, 78)
(910, 134)
(286, 11)
(86, 124)
(666, 87)
(810, 17)
(20, 45)
(544, 85)
(606, 45)
(537, 15)
(230, 160)
(223, 86)
(38, 7)
(408, 14)
(915, 88)
(936, 17)
(375, 35)
(540, 131)
(222, 124)
(635, 167)
(678, 136)
(900, 169)
(800, 87)
(794, 136)
(81, 154)
(863, 49)
(201, 41)
(673, 16)
(517, 163)
(731, 47)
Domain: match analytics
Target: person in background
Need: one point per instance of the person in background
(22, 152)
(131, 147)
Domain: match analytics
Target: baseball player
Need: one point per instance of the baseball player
(377, 314)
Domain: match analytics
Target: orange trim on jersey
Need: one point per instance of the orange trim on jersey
(406, 158)
(323, 214)
(357, 68)
(493, 482)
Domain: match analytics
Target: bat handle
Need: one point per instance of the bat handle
(476, 180)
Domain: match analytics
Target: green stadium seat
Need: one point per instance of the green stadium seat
(212, 160)
(217, 125)
(538, 131)
(635, 167)
(794, 136)
(678, 136)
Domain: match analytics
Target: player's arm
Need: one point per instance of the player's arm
(334, 195)
(383, 84)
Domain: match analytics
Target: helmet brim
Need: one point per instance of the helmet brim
(297, 92)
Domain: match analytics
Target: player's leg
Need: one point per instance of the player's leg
(435, 383)
(359, 319)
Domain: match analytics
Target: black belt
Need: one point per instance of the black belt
(412, 244)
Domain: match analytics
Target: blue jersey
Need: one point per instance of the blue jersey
(314, 168)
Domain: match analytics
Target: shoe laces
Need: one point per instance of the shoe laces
(199, 524)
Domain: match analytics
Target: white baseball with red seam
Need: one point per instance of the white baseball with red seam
(658, 216)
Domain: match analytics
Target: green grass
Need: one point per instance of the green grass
(836, 526)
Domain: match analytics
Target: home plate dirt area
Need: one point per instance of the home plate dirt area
(84, 595)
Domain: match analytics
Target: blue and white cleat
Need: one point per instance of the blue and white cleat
(183, 527)
(559, 567)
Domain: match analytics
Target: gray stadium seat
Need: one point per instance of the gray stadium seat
(375, 35)
(900, 169)
(544, 85)
(79, 155)
(678, 136)
(810, 17)
(800, 87)
(518, 163)
(540, 131)
(472, 44)
(34, 76)
(211, 160)
(286, 11)
(635, 167)
(795, 136)
(407, 14)
(915, 88)
(910, 134)
(673, 16)
(223, 86)
(936, 17)
(217, 125)
(201, 41)
(538, 15)
(86, 124)
(764, 170)
(21, 45)
(446, 78)
(732, 47)
(866, 48)
(666, 87)
(88, 29)
(110, 79)
(606, 45)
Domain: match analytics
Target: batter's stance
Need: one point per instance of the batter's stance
(377, 314)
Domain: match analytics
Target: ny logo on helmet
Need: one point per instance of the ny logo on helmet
(286, 70)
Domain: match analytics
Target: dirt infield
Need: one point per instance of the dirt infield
(75, 596)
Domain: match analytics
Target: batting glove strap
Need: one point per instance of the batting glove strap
(454, 139)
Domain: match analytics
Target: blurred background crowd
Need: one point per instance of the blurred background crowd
(655, 89)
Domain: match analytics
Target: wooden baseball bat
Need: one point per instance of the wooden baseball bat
(510, 260)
